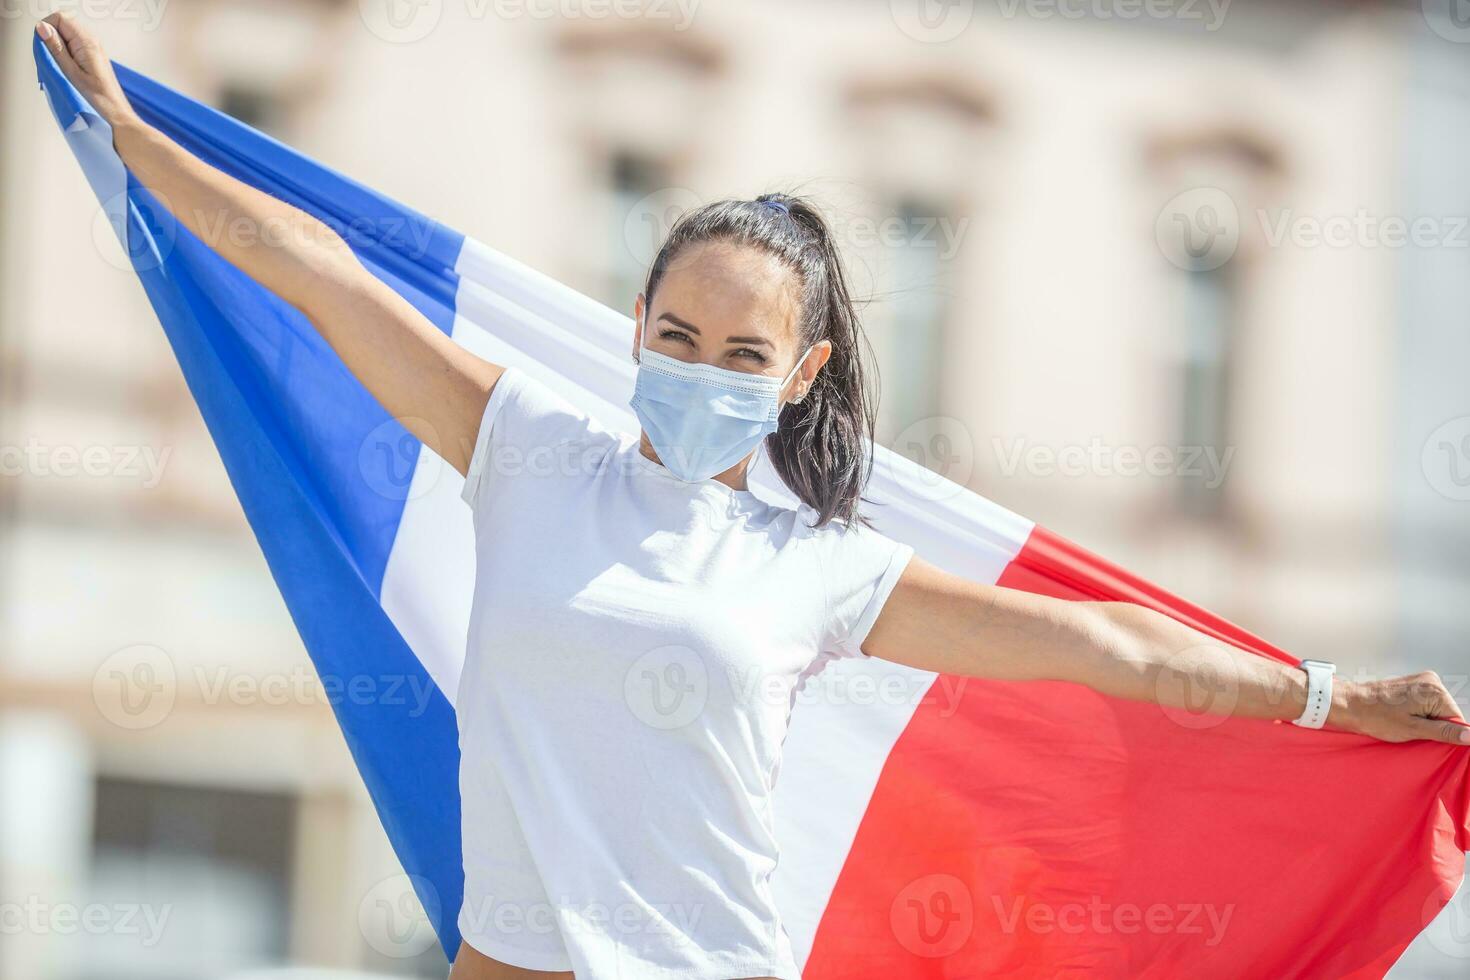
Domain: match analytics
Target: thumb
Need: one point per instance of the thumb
(1441, 730)
(52, 39)
(80, 44)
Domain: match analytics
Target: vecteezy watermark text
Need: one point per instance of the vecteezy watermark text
(37, 459)
(407, 21)
(37, 917)
(148, 14)
(1210, 14)
(1208, 464)
(139, 686)
(1097, 917)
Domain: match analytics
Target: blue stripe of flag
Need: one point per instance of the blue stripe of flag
(319, 467)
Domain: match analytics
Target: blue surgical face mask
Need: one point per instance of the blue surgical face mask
(702, 419)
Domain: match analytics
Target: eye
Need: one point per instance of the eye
(751, 353)
(670, 333)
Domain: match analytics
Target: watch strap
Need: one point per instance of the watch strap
(1319, 693)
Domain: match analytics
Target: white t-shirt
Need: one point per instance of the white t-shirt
(635, 648)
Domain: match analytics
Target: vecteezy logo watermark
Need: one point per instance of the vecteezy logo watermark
(1450, 19)
(649, 221)
(1448, 926)
(390, 456)
(667, 687)
(133, 246)
(398, 914)
(400, 21)
(135, 687)
(149, 243)
(1446, 459)
(932, 21)
(300, 686)
(1207, 464)
(1199, 229)
(35, 917)
(944, 451)
(1198, 687)
(138, 687)
(933, 916)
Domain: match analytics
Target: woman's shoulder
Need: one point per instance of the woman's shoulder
(530, 418)
(845, 543)
(531, 427)
(834, 534)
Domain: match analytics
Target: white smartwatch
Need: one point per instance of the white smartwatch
(1319, 693)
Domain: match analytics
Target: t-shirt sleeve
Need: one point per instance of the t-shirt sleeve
(860, 568)
(529, 430)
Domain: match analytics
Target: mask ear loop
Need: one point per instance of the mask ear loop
(796, 367)
(761, 451)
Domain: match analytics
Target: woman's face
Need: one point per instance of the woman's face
(732, 306)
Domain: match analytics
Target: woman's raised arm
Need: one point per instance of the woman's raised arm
(941, 622)
(435, 387)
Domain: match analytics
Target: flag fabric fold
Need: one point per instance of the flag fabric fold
(932, 826)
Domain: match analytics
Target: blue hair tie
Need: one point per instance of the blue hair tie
(780, 206)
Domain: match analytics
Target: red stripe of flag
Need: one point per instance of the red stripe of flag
(1043, 830)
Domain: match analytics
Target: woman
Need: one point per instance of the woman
(642, 622)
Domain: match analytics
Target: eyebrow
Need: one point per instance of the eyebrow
(683, 324)
(679, 322)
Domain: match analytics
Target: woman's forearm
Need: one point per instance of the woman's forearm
(1136, 653)
(1116, 648)
(280, 246)
(941, 622)
(434, 387)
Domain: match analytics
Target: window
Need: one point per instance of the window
(910, 347)
(1205, 388)
(641, 214)
(253, 107)
(1216, 174)
(924, 141)
(208, 870)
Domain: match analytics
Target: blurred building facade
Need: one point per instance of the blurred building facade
(1138, 277)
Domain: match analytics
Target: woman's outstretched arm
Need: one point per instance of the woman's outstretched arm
(435, 387)
(941, 622)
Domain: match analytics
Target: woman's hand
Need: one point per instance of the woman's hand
(86, 66)
(1399, 709)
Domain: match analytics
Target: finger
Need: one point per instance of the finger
(1445, 706)
(1434, 699)
(1441, 730)
(66, 25)
(79, 44)
(52, 39)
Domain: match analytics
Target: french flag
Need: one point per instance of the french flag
(932, 826)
